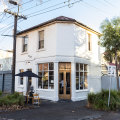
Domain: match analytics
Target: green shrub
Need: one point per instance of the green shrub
(0, 93)
(100, 100)
(91, 97)
(12, 99)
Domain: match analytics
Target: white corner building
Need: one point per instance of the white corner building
(66, 56)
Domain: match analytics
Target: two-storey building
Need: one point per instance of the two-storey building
(66, 56)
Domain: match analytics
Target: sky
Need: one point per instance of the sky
(89, 12)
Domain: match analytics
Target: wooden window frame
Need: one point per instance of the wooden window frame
(41, 41)
(25, 45)
(89, 42)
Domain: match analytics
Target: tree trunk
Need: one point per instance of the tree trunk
(117, 78)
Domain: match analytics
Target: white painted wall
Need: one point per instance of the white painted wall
(5, 60)
(63, 43)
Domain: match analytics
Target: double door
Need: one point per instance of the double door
(64, 85)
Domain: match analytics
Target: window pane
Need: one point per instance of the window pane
(85, 81)
(21, 78)
(77, 83)
(45, 80)
(25, 47)
(51, 66)
(51, 73)
(68, 83)
(40, 82)
(81, 67)
(81, 80)
(89, 42)
(77, 67)
(62, 66)
(61, 83)
(85, 67)
(40, 74)
(21, 81)
(25, 42)
(77, 74)
(40, 67)
(41, 44)
(68, 66)
(45, 67)
(41, 35)
(51, 82)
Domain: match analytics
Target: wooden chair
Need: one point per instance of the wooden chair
(36, 99)
(28, 98)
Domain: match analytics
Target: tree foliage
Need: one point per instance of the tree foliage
(110, 40)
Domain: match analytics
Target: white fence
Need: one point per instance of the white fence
(105, 82)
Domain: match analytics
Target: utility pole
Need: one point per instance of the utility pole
(16, 16)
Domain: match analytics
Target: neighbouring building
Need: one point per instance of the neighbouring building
(66, 56)
(5, 60)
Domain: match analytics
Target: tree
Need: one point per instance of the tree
(108, 56)
(110, 39)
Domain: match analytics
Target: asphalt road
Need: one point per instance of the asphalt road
(62, 110)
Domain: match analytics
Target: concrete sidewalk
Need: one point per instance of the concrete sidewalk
(62, 110)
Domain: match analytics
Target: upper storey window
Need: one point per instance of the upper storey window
(41, 39)
(89, 42)
(25, 43)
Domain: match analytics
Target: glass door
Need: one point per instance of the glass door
(64, 85)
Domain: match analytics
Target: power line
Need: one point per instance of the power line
(47, 8)
(102, 11)
(23, 4)
(7, 26)
(102, 2)
(6, 19)
(54, 9)
(109, 3)
(7, 29)
(5, 36)
(41, 13)
(1, 14)
(20, 27)
(2, 17)
(36, 5)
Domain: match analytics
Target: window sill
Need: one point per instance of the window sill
(20, 86)
(39, 50)
(39, 89)
(23, 53)
(84, 90)
(90, 52)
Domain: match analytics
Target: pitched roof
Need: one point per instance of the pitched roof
(57, 19)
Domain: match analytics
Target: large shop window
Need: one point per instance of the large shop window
(46, 74)
(81, 76)
(21, 78)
